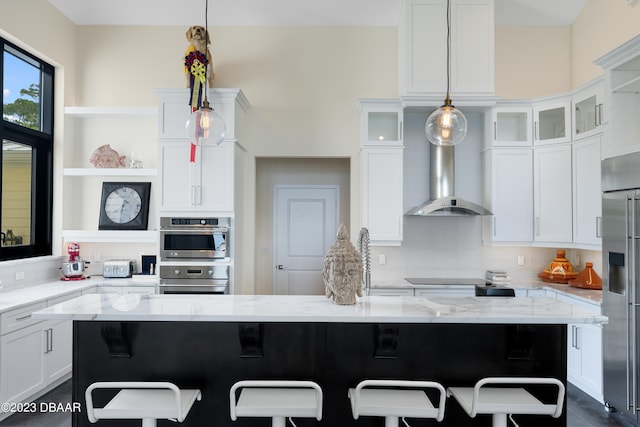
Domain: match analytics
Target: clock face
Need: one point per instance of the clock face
(123, 205)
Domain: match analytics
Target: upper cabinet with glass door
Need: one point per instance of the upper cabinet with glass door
(588, 108)
(551, 121)
(381, 122)
(511, 125)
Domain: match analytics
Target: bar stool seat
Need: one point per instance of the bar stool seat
(276, 399)
(503, 401)
(147, 401)
(393, 399)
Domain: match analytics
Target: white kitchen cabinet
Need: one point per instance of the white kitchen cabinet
(622, 109)
(587, 201)
(584, 358)
(22, 371)
(511, 126)
(587, 111)
(33, 354)
(584, 350)
(508, 194)
(381, 122)
(131, 289)
(552, 189)
(381, 191)
(552, 120)
(457, 291)
(58, 336)
(401, 292)
(207, 184)
(423, 48)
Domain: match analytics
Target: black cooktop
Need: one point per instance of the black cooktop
(432, 281)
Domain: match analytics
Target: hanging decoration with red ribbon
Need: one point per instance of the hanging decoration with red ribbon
(195, 64)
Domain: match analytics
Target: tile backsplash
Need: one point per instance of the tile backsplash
(452, 247)
(25, 272)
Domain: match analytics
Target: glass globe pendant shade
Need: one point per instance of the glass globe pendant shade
(205, 126)
(446, 125)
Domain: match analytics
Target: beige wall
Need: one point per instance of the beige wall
(532, 61)
(601, 26)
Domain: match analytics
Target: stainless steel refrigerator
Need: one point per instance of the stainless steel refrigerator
(621, 282)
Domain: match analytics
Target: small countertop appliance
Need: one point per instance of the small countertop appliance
(73, 268)
(118, 268)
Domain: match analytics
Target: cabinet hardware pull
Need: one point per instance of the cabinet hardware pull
(537, 226)
(598, 227)
(400, 130)
(535, 130)
(495, 131)
(23, 317)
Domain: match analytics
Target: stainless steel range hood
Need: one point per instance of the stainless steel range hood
(442, 186)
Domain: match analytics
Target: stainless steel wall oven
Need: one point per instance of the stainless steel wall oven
(184, 239)
(194, 255)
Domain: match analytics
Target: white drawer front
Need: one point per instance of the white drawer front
(19, 318)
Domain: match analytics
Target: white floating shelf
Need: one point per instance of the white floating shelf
(110, 172)
(110, 111)
(111, 236)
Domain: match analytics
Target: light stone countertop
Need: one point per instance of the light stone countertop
(19, 297)
(298, 308)
(588, 295)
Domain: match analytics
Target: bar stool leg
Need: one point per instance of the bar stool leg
(149, 422)
(391, 421)
(278, 422)
(499, 420)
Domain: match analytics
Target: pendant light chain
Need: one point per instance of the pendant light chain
(206, 46)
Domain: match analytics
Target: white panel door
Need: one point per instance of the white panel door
(305, 227)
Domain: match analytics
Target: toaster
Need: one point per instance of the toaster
(118, 268)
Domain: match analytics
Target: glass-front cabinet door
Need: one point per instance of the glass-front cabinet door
(381, 122)
(512, 126)
(588, 108)
(552, 122)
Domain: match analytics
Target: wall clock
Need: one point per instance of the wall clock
(124, 206)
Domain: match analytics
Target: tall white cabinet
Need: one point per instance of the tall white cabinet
(381, 170)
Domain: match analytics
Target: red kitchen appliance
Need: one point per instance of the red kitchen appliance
(73, 268)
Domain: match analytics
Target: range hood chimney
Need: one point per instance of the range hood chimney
(442, 187)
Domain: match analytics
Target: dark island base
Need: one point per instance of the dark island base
(213, 355)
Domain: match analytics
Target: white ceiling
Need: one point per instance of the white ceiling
(293, 12)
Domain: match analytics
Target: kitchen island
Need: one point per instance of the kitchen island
(209, 342)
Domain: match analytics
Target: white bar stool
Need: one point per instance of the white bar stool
(393, 399)
(277, 399)
(147, 401)
(503, 401)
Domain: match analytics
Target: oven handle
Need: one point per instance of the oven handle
(194, 289)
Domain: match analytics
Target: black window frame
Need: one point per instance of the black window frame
(42, 144)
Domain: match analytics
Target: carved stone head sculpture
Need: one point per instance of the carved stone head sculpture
(342, 273)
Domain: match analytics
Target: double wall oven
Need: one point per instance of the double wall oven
(194, 255)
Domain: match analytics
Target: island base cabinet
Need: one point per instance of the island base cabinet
(212, 356)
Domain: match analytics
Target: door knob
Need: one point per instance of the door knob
(280, 267)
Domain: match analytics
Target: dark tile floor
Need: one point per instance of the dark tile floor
(582, 411)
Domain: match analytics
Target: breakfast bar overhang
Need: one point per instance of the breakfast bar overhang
(210, 342)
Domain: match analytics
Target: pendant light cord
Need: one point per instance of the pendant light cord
(447, 97)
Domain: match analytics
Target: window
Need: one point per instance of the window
(26, 159)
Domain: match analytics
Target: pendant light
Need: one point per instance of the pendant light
(446, 125)
(205, 126)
